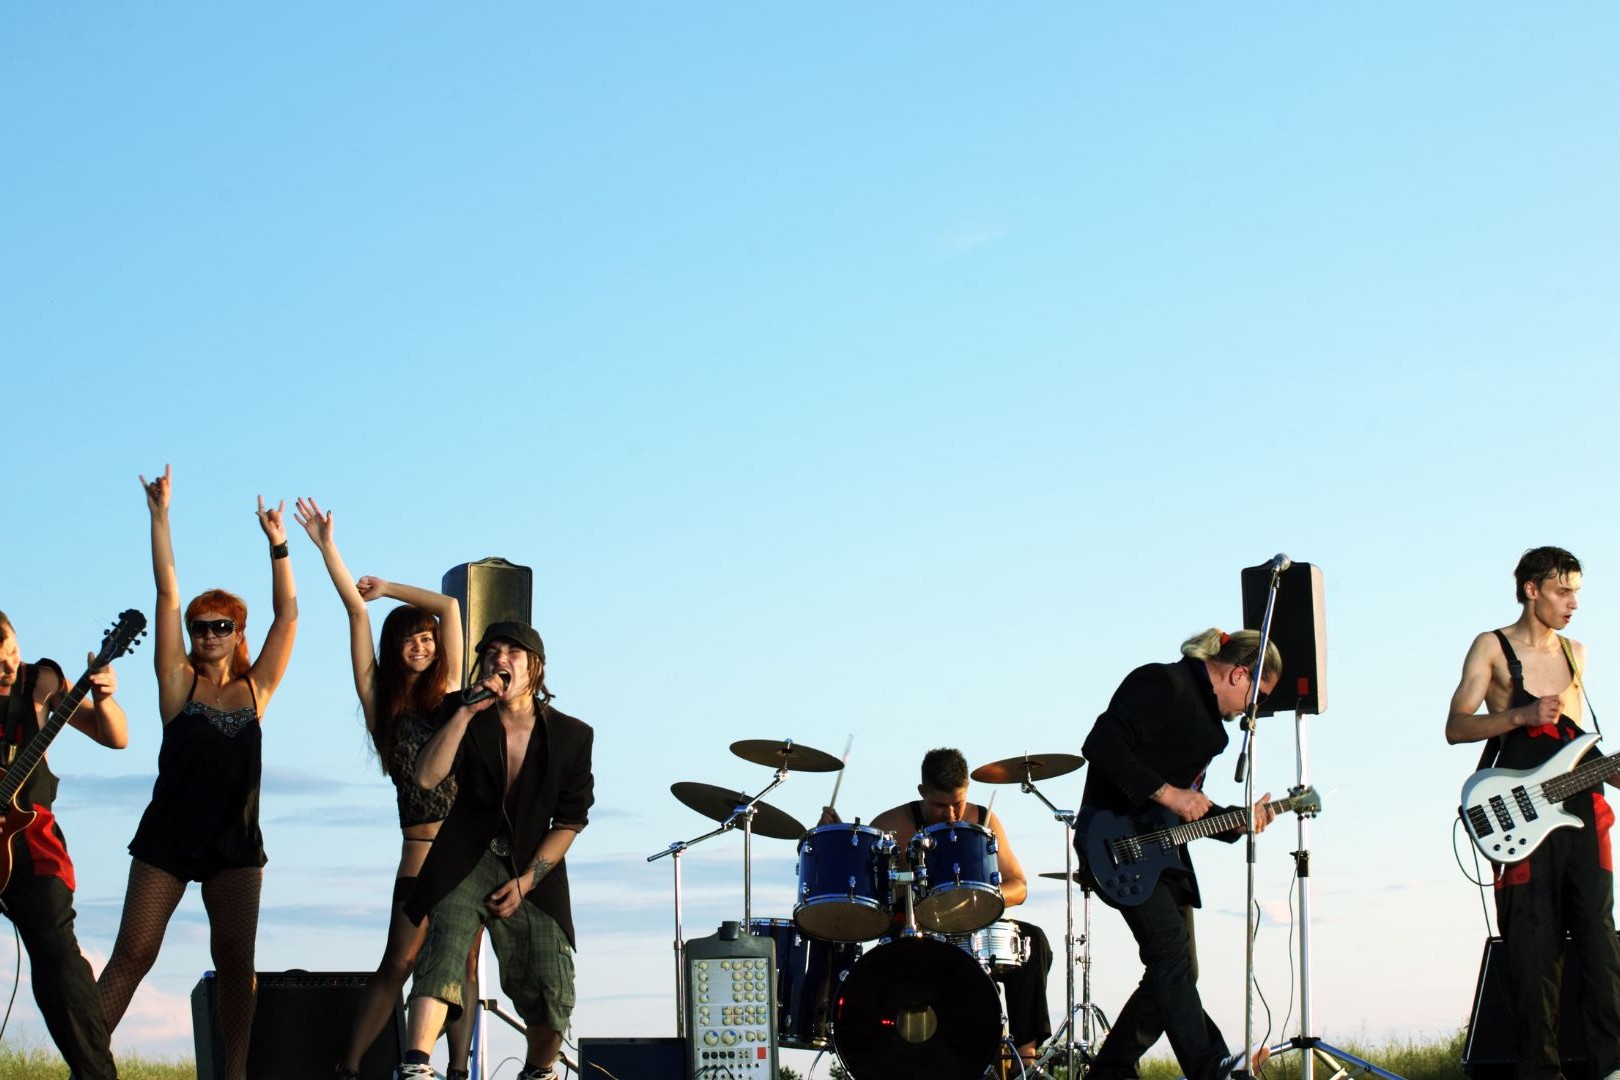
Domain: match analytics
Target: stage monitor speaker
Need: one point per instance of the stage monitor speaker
(490, 590)
(1489, 1053)
(1298, 629)
(301, 1027)
(624, 1059)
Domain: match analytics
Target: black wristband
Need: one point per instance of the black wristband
(278, 551)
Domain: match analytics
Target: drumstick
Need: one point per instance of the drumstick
(990, 806)
(833, 805)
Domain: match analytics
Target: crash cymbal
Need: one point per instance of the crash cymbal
(718, 803)
(1013, 770)
(786, 754)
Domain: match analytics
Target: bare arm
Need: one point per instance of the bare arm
(553, 846)
(103, 720)
(271, 665)
(447, 609)
(168, 647)
(438, 754)
(1014, 885)
(362, 653)
(1465, 723)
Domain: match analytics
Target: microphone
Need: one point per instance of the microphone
(474, 694)
(1280, 562)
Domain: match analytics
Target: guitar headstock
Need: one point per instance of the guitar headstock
(1306, 801)
(122, 638)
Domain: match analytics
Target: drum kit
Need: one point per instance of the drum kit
(922, 1001)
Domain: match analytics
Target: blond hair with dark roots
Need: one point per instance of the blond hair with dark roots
(1240, 648)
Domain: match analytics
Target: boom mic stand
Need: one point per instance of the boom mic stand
(1245, 776)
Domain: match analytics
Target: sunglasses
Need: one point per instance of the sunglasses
(219, 627)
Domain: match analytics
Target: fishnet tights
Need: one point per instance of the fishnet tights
(231, 898)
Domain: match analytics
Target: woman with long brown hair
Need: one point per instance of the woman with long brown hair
(203, 821)
(401, 684)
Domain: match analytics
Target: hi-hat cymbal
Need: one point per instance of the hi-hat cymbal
(719, 803)
(786, 754)
(1015, 770)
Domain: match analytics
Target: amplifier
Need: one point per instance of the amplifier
(731, 1006)
(301, 1027)
(632, 1059)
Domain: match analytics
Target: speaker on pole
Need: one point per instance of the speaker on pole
(490, 590)
(1298, 629)
(301, 1027)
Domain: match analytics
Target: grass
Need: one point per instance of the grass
(1414, 1061)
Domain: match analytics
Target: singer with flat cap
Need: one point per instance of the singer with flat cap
(523, 771)
(1153, 744)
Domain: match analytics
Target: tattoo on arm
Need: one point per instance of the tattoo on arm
(539, 869)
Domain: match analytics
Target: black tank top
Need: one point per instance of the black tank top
(1525, 748)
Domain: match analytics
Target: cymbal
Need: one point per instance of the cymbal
(786, 754)
(718, 803)
(1013, 770)
(1058, 875)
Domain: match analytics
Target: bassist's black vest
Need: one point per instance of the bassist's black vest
(20, 725)
(1526, 748)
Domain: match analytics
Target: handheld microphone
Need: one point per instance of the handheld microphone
(1280, 562)
(474, 694)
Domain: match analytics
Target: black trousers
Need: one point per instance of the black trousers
(1166, 1001)
(1561, 887)
(64, 987)
(1028, 1019)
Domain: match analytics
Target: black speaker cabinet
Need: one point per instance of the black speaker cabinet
(1298, 629)
(1489, 1051)
(643, 1059)
(490, 590)
(300, 1027)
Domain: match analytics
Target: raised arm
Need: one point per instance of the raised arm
(362, 653)
(1464, 723)
(447, 609)
(169, 658)
(103, 718)
(438, 754)
(271, 665)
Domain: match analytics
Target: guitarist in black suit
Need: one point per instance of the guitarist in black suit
(1567, 883)
(1151, 746)
(38, 897)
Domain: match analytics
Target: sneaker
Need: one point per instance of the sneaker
(547, 1073)
(415, 1072)
(1234, 1063)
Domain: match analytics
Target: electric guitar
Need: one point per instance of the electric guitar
(1122, 856)
(1509, 812)
(114, 643)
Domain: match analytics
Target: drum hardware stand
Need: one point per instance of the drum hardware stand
(1085, 1008)
(745, 812)
(486, 1006)
(1312, 1046)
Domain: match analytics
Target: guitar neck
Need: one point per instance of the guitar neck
(18, 772)
(1220, 823)
(1562, 787)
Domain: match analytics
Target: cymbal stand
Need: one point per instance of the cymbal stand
(744, 811)
(1084, 1008)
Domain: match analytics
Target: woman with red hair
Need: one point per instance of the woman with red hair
(203, 822)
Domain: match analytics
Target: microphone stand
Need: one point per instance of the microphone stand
(1245, 776)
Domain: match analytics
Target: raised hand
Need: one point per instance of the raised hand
(270, 521)
(157, 491)
(318, 525)
(372, 588)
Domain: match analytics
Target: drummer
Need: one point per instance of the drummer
(944, 799)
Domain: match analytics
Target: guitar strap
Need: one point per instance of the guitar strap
(1580, 683)
(1493, 745)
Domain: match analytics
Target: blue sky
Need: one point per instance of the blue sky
(910, 372)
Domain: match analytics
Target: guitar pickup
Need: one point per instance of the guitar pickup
(1527, 809)
(1499, 810)
(1479, 821)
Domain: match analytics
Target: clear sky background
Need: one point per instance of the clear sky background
(910, 371)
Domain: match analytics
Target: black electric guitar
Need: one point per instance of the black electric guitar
(114, 643)
(1121, 857)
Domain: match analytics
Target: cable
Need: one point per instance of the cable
(16, 976)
